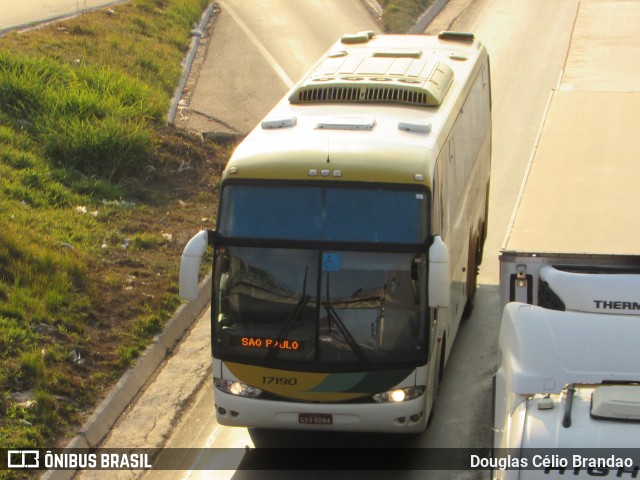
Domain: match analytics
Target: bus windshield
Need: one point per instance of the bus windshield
(330, 308)
(334, 213)
(321, 306)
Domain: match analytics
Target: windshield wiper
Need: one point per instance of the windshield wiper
(348, 337)
(566, 418)
(289, 322)
(355, 348)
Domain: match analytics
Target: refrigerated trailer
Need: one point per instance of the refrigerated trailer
(577, 208)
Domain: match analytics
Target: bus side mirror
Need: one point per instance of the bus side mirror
(439, 276)
(190, 263)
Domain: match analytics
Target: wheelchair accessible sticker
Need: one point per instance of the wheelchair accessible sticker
(330, 262)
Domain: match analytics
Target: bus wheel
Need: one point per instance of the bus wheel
(437, 380)
(480, 244)
(443, 350)
(432, 412)
(472, 275)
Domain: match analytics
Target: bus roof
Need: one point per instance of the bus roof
(375, 108)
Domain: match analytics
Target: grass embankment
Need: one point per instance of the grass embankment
(97, 198)
(400, 15)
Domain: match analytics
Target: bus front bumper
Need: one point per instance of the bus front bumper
(403, 417)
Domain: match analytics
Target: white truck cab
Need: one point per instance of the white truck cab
(568, 380)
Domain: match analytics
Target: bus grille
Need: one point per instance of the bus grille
(342, 94)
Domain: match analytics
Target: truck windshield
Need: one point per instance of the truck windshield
(321, 306)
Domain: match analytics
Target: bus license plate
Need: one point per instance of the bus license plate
(315, 418)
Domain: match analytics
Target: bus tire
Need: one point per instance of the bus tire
(437, 380)
(472, 274)
(443, 350)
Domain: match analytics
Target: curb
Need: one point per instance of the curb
(122, 394)
(427, 16)
(108, 412)
(196, 35)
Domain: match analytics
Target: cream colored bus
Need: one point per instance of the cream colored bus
(350, 228)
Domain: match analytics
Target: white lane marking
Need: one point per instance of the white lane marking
(261, 48)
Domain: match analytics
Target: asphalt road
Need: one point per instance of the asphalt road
(257, 50)
(258, 47)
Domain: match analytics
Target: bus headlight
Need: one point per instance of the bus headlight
(398, 395)
(236, 388)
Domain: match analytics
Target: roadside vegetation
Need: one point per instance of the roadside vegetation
(97, 199)
(400, 15)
